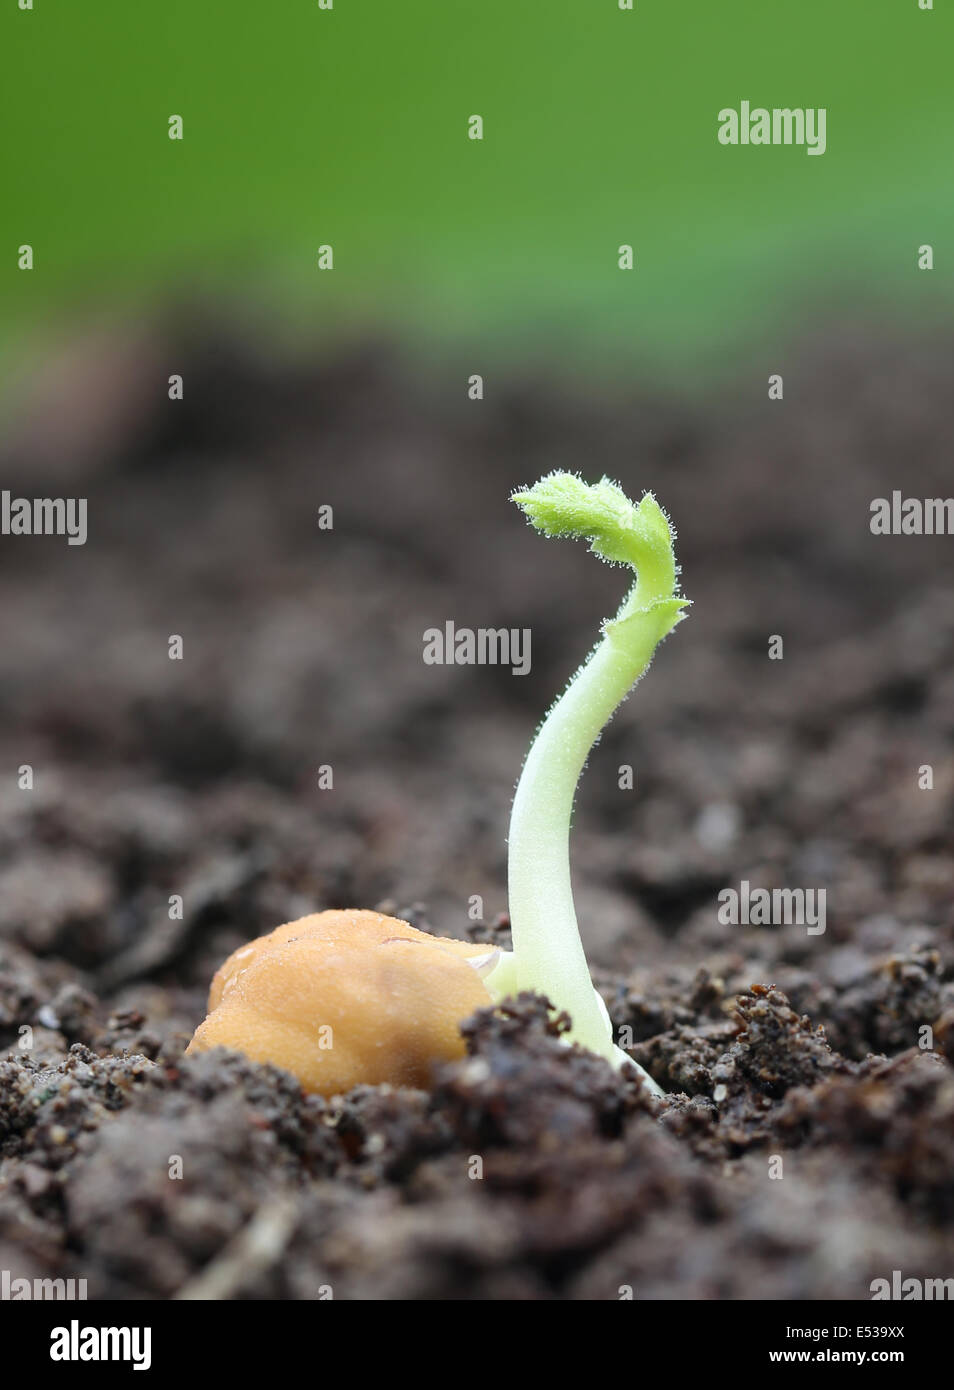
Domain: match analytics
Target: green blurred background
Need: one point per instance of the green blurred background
(305, 126)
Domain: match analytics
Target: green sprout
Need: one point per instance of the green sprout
(548, 954)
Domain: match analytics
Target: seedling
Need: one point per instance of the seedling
(547, 952)
(392, 997)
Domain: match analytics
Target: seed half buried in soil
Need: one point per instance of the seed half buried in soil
(320, 998)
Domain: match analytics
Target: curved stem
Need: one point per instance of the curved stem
(548, 954)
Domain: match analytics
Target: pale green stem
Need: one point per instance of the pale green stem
(548, 954)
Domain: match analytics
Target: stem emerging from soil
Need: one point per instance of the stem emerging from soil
(548, 954)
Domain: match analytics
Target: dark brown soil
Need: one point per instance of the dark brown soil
(807, 1145)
